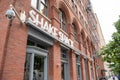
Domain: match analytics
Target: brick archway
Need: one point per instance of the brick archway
(65, 9)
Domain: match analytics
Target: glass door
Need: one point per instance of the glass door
(38, 71)
(35, 66)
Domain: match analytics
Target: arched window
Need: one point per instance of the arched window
(74, 32)
(62, 21)
(82, 40)
(41, 5)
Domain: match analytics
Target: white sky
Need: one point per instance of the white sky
(108, 12)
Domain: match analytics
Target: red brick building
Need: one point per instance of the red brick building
(56, 42)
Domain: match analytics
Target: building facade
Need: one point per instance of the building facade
(100, 66)
(57, 41)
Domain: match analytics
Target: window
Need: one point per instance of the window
(62, 21)
(41, 5)
(74, 32)
(78, 68)
(82, 40)
(33, 43)
(65, 74)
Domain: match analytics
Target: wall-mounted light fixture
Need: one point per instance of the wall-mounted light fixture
(11, 13)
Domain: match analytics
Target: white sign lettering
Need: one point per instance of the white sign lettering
(44, 25)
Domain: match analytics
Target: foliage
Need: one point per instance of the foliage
(111, 51)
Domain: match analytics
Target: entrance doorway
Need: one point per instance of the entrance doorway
(36, 64)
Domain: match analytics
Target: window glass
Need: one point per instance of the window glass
(62, 21)
(77, 59)
(64, 55)
(34, 43)
(43, 9)
(78, 72)
(38, 73)
(34, 3)
(30, 43)
(41, 5)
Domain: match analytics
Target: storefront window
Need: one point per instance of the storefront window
(36, 62)
(38, 72)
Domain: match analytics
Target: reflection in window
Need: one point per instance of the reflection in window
(38, 72)
(41, 5)
(38, 67)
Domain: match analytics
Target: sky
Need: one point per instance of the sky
(108, 12)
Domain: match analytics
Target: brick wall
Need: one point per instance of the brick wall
(13, 43)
